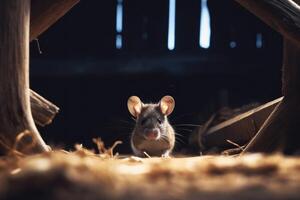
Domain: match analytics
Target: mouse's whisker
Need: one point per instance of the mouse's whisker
(179, 135)
(192, 125)
(185, 129)
(127, 122)
(186, 115)
(118, 128)
(164, 136)
(164, 139)
(134, 119)
(179, 141)
(180, 138)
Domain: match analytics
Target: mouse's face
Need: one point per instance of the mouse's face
(151, 123)
(151, 119)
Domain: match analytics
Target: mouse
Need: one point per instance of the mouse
(152, 134)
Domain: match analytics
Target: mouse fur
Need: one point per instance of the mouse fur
(152, 133)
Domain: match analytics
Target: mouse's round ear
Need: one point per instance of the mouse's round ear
(134, 105)
(167, 104)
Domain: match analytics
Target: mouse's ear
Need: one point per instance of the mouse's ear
(167, 104)
(134, 105)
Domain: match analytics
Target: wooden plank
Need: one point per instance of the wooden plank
(15, 110)
(44, 13)
(43, 111)
(282, 15)
(239, 129)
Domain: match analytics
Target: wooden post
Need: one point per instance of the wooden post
(15, 112)
(280, 132)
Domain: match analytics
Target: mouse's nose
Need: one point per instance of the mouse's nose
(152, 134)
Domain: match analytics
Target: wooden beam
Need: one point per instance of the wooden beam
(45, 13)
(291, 69)
(239, 129)
(15, 112)
(43, 111)
(280, 132)
(282, 15)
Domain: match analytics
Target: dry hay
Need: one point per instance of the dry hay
(83, 174)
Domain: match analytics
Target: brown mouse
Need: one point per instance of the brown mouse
(152, 134)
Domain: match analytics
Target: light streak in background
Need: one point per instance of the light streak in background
(205, 30)
(119, 24)
(171, 30)
(259, 41)
(119, 41)
(119, 16)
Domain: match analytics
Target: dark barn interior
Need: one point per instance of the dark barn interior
(74, 75)
(82, 70)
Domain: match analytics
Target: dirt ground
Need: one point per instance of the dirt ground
(85, 175)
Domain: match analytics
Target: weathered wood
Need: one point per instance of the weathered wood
(291, 70)
(234, 151)
(273, 135)
(15, 112)
(239, 129)
(280, 132)
(43, 111)
(282, 15)
(45, 13)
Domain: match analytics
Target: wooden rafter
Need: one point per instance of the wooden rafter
(282, 15)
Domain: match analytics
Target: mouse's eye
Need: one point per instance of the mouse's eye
(143, 122)
(159, 120)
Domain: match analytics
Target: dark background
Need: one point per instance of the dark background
(82, 72)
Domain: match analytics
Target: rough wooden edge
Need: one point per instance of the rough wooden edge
(44, 13)
(43, 111)
(17, 126)
(239, 129)
(282, 15)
